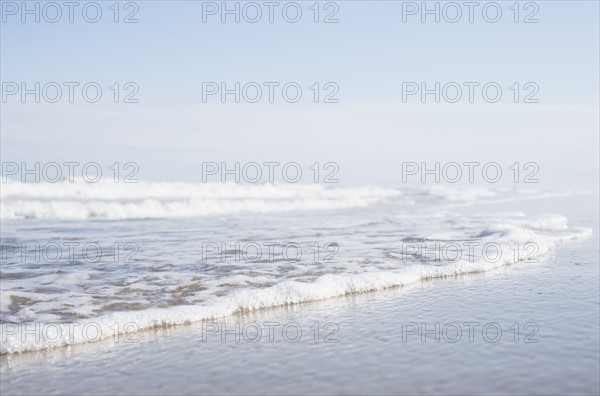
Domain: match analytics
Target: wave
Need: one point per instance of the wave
(545, 231)
(105, 200)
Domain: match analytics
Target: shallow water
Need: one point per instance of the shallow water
(141, 273)
(559, 295)
(555, 297)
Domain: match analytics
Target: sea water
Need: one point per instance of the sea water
(376, 311)
(83, 262)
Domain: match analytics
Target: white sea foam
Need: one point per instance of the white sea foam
(265, 287)
(106, 200)
(170, 284)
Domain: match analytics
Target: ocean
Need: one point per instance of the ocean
(279, 288)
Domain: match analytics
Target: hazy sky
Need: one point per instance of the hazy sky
(368, 55)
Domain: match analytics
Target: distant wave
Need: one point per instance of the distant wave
(106, 200)
(155, 200)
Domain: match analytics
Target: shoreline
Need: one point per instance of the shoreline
(558, 294)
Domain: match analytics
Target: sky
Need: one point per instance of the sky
(363, 60)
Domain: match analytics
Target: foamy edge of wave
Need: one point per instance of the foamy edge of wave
(280, 294)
